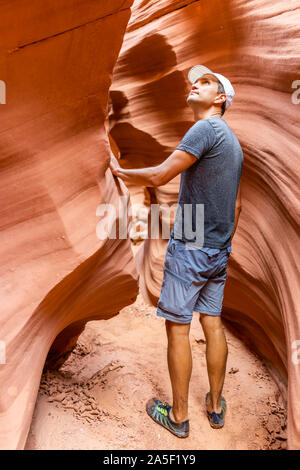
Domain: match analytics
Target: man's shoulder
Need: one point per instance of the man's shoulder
(214, 124)
(203, 126)
(218, 122)
(221, 126)
(205, 123)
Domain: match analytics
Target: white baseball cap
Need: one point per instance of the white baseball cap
(198, 70)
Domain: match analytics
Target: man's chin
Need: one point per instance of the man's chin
(192, 102)
(193, 98)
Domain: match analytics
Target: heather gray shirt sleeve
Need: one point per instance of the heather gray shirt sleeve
(199, 139)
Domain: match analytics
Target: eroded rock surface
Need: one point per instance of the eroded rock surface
(56, 274)
(256, 45)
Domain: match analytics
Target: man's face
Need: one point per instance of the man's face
(203, 92)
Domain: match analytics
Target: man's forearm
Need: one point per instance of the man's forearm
(158, 175)
(142, 176)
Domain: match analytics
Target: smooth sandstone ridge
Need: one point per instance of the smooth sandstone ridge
(56, 274)
(256, 44)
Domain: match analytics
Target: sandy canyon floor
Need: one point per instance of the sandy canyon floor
(97, 398)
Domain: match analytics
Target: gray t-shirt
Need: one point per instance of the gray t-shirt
(209, 187)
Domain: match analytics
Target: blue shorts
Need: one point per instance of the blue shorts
(193, 281)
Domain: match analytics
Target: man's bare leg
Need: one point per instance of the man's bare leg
(216, 358)
(180, 368)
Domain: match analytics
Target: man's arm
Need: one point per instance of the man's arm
(238, 208)
(159, 175)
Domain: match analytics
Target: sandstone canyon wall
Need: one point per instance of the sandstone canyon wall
(256, 44)
(56, 60)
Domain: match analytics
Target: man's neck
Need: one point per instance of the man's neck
(205, 114)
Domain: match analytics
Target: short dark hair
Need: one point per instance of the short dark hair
(221, 90)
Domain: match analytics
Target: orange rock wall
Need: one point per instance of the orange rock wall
(57, 62)
(256, 44)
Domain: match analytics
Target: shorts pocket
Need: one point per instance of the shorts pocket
(224, 264)
(174, 293)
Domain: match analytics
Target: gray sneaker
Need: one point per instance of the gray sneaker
(216, 420)
(159, 412)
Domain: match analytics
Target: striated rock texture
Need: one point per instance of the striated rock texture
(56, 274)
(256, 44)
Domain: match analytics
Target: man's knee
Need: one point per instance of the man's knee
(177, 329)
(210, 323)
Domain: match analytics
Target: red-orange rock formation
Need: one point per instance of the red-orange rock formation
(56, 274)
(256, 45)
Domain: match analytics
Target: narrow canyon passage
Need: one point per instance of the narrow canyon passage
(83, 79)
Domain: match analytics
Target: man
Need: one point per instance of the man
(210, 159)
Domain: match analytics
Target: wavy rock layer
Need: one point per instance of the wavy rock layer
(256, 44)
(56, 274)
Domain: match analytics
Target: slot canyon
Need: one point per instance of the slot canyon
(88, 79)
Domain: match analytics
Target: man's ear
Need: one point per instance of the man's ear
(220, 98)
